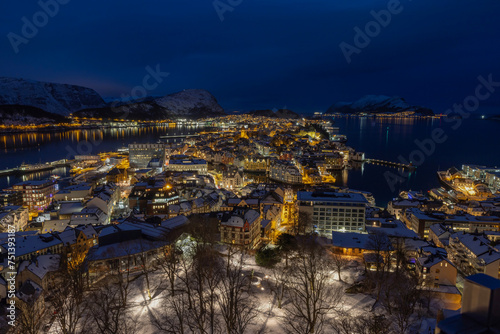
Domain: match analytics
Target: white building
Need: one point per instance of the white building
(15, 216)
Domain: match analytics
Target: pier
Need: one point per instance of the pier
(179, 136)
(390, 164)
(28, 169)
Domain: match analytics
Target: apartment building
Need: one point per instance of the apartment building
(334, 211)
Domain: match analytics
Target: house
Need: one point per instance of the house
(15, 216)
(356, 244)
(241, 227)
(94, 216)
(39, 270)
(473, 254)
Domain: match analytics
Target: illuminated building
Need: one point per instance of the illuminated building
(332, 211)
(141, 154)
(37, 195)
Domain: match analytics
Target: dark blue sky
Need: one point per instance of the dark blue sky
(264, 54)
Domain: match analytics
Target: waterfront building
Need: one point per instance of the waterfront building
(37, 195)
(140, 155)
(333, 211)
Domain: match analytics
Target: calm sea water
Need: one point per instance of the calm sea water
(474, 141)
(32, 148)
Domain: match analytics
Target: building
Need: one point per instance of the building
(141, 154)
(77, 192)
(15, 216)
(332, 211)
(472, 254)
(232, 179)
(480, 308)
(37, 195)
(94, 216)
(152, 197)
(256, 164)
(241, 227)
(10, 198)
(437, 270)
(184, 163)
(28, 246)
(284, 171)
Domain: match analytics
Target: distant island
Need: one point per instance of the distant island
(379, 104)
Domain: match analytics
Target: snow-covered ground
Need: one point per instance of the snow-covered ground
(270, 319)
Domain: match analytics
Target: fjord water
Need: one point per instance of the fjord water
(471, 141)
(475, 141)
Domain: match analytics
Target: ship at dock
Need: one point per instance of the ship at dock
(465, 188)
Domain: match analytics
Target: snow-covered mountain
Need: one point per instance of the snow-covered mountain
(281, 113)
(375, 104)
(189, 103)
(56, 98)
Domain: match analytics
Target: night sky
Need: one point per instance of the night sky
(263, 54)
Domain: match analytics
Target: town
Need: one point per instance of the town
(239, 229)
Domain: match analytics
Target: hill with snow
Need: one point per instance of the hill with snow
(189, 103)
(281, 113)
(375, 104)
(55, 98)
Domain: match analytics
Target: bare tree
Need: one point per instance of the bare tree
(311, 295)
(67, 300)
(108, 312)
(381, 247)
(365, 324)
(174, 317)
(31, 318)
(400, 256)
(401, 301)
(235, 303)
(280, 275)
(339, 263)
(168, 262)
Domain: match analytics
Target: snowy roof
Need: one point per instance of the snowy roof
(46, 263)
(485, 280)
(476, 244)
(122, 249)
(68, 208)
(29, 244)
(432, 260)
(438, 229)
(68, 236)
(395, 229)
(175, 222)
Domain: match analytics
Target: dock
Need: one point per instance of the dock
(390, 164)
(28, 169)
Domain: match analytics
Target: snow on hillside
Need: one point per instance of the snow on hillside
(369, 101)
(189, 102)
(61, 99)
(376, 104)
